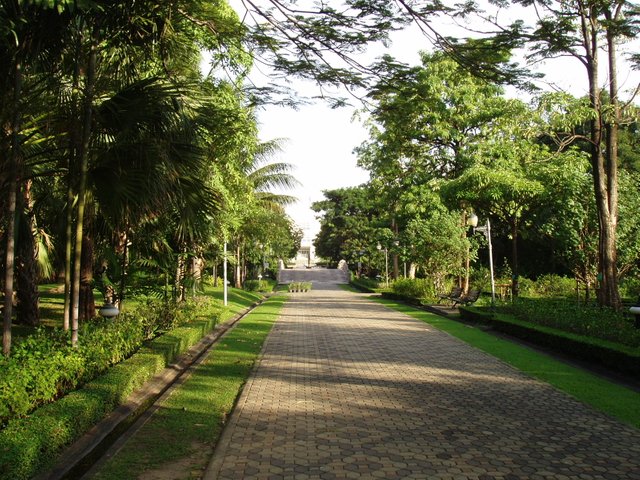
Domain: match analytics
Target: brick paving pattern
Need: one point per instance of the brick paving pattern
(349, 389)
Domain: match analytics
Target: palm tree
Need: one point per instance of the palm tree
(259, 178)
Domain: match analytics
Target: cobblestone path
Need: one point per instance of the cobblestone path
(349, 389)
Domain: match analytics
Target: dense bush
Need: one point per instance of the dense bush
(577, 318)
(419, 288)
(548, 286)
(630, 288)
(44, 366)
(31, 444)
(258, 285)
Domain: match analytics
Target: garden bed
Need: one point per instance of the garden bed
(614, 356)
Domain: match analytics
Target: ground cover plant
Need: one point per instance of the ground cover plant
(29, 444)
(579, 318)
(181, 435)
(608, 397)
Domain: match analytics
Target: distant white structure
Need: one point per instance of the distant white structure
(305, 258)
(306, 255)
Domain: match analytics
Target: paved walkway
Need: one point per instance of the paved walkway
(349, 389)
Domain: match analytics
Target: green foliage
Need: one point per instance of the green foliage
(366, 283)
(416, 288)
(549, 286)
(44, 366)
(438, 241)
(348, 226)
(630, 288)
(258, 285)
(574, 317)
(300, 286)
(31, 444)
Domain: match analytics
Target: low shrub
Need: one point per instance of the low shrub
(630, 288)
(258, 285)
(581, 319)
(418, 288)
(549, 286)
(31, 444)
(44, 366)
(299, 286)
(365, 283)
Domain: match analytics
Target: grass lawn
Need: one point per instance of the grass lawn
(613, 399)
(177, 442)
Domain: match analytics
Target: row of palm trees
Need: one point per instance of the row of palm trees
(118, 156)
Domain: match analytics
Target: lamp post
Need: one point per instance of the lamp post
(261, 273)
(472, 221)
(386, 264)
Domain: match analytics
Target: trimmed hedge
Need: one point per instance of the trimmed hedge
(570, 316)
(364, 284)
(410, 300)
(619, 358)
(44, 366)
(32, 444)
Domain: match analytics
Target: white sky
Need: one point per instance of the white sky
(320, 140)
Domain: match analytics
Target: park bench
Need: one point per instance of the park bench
(471, 297)
(452, 295)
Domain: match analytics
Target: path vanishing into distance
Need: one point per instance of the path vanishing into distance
(347, 388)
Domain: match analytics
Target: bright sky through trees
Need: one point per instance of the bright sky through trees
(320, 140)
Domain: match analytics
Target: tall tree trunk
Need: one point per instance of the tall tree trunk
(412, 270)
(75, 140)
(13, 171)
(609, 263)
(9, 261)
(197, 270)
(87, 301)
(238, 275)
(394, 256)
(123, 250)
(27, 263)
(84, 167)
(604, 170)
(179, 280)
(515, 284)
(68, 253)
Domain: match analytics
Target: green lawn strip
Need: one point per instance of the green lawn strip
(182, 433)
(613, 399)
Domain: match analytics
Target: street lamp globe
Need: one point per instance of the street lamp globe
(108, 310)
(472, 220)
